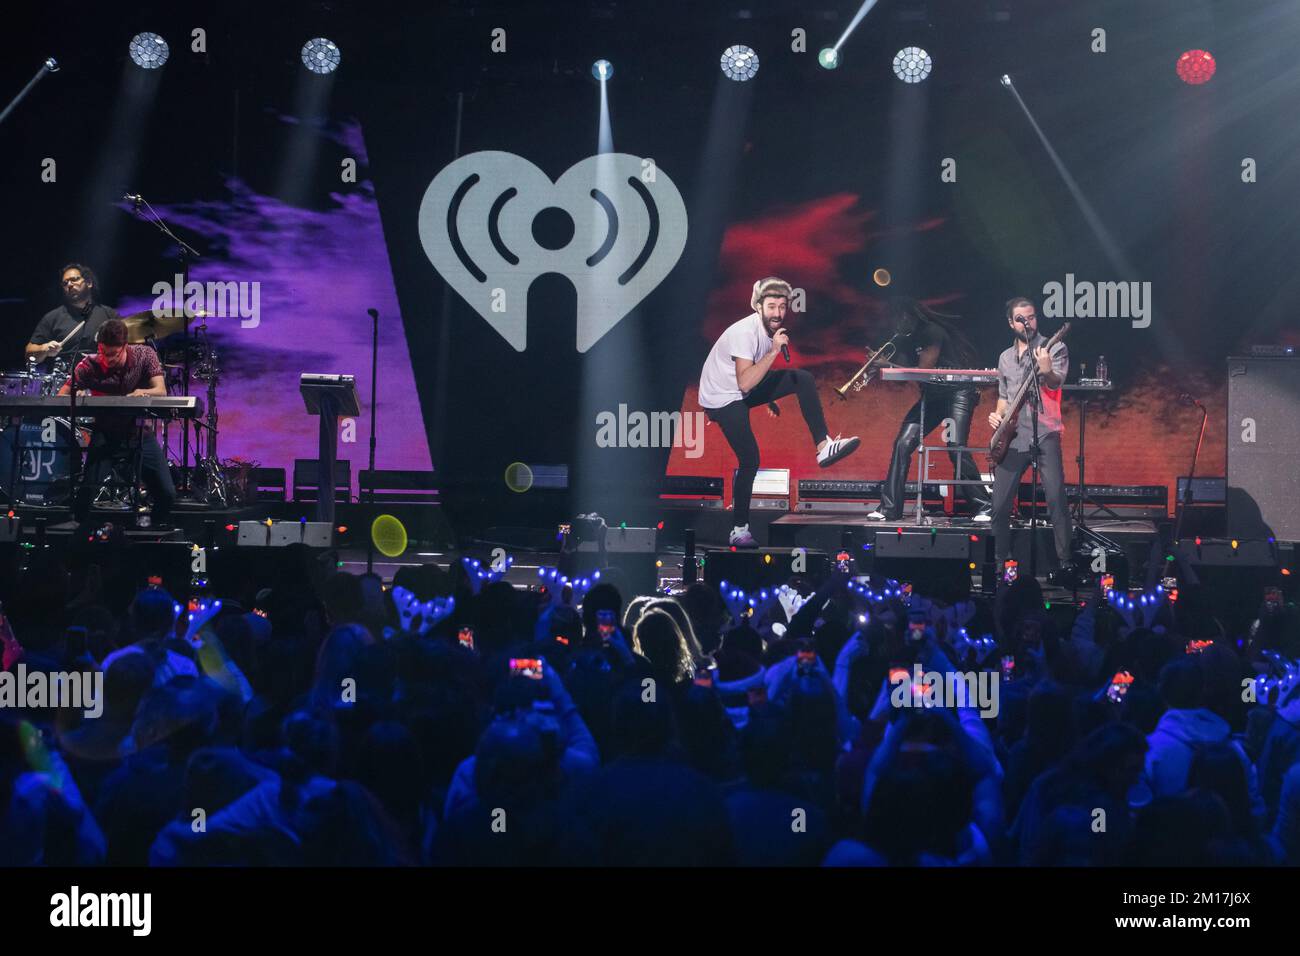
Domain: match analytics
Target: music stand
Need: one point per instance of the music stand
(328, 396)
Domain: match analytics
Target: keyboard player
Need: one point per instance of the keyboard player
(939, 343)
(121, 369)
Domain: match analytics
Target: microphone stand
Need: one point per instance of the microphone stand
(1035, 400)
(370, 495)
(184, 253)
(1186, 496)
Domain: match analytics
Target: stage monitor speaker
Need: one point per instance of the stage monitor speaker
(1233, 579)
(281, 534)
(766, 568)
(1263, 438)
(938, 565)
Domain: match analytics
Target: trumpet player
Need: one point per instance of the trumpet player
(738, 375)
(939, 343)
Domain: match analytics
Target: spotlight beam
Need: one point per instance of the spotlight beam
(1108, 244)
(857, 18)
(1109, 247)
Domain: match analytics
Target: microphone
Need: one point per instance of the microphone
(785, 353)
(134, 198)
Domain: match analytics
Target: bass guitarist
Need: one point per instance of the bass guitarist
(1027, 355)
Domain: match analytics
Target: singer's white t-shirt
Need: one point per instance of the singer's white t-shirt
(746, 339)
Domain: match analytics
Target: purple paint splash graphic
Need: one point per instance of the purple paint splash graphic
(318, 271)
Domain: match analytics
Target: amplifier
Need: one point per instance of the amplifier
(691, 485)
(1153, 500)
(1263, 435)
(840, 490)
(624, 541)
(837, 506)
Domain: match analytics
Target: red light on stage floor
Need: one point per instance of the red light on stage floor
(1195, 67)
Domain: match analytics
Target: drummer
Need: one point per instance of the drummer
(81, 303)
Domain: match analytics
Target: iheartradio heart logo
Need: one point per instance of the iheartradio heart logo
(629, 229)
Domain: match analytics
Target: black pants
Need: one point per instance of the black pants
(1006, 485)
(957, 404)
(143, 458)
(734, 421)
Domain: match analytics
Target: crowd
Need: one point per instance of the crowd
(450, 718)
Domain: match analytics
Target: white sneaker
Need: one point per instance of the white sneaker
(876, 515)
(835, 449)
(741, 538)
(984, 517)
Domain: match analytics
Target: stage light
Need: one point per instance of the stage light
(602, 69)
(149, 51)
(739, 63)
(320, 56)
(519, 477)
(912, 64)
(1006, 81)
(829, 58)
(881, 277)
(1195, 67)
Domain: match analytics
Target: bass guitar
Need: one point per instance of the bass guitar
(1000, 443)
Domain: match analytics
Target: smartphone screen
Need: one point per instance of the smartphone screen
(605, 624)
(466, 637)
(843, 562)
(1008, 667)
(1010, 570)
(530, 667)
(1272, 598)
(1119, 685)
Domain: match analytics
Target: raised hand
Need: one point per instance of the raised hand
(198, 620)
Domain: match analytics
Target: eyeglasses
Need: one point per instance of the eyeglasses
(74, 281)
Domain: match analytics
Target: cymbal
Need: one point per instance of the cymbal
(142, 326)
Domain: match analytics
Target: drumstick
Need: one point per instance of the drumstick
(72, 333)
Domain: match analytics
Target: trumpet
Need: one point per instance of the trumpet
(863, 375)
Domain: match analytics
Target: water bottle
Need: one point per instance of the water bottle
(1101, 372)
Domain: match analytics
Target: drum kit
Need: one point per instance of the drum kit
(41, 476)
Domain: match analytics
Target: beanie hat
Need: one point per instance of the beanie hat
(769, 286)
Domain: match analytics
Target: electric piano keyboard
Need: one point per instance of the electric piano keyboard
(940, 376)
(183, 406)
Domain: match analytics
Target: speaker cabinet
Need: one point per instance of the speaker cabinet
(1264, 448)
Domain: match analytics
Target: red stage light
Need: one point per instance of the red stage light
(1195, 67)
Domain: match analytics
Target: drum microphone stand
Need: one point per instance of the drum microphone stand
(184, 253)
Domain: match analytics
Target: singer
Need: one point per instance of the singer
(738, 376)
(80, 290)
